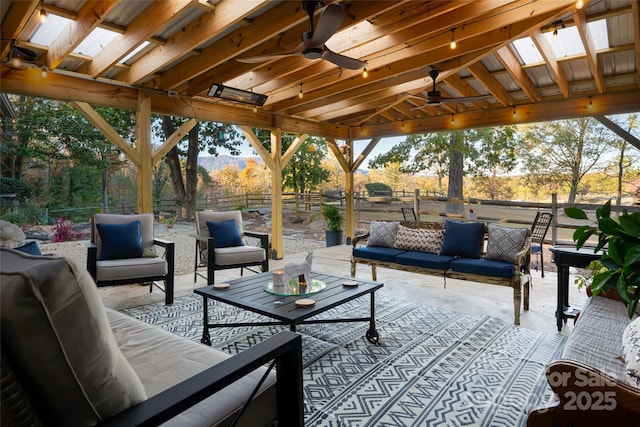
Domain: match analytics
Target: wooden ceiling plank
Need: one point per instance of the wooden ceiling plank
(192, 36)
(552, 62)
(580, 19)
(465, 89)
(19, 13)
(513, 66)
(90, 16)
(155, 17)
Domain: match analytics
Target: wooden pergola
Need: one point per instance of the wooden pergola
(165, 55)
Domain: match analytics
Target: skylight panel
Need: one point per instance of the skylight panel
(599, 33)
(134, 51)
(95, 41)
(527, 51)
(50, 30)
(566, 43)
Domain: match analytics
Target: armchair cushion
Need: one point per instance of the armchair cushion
(123, 269)
(71, 357)
(463, 239)
(120, 241)
(225, 233)
(29, 248)
(235, 255)
(505, 242)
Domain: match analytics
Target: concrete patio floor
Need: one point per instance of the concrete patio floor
(461, 296)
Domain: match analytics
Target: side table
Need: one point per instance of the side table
(566, 256)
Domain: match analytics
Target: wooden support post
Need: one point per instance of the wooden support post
(416, 203)
(145, 154)
(276, 194)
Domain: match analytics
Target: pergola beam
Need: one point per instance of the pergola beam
(619, 131)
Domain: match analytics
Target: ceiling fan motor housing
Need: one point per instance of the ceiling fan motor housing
(312, 53)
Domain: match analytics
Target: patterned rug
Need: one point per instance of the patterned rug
(434, 367)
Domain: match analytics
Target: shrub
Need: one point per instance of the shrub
(63, 231)
(376, 187)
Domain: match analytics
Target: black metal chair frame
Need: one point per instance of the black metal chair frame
(168, 279)
(211, 257)
(538, 232)
(411, 212)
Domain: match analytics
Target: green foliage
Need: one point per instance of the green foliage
(333, 217)
(26, 214)
(619, 239)
(374, 187)
(21, 189)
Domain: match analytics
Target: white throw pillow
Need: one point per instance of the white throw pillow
(382, 233)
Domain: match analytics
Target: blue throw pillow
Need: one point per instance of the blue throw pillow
(464, 239)
(29, 248)
(225, 233)
(120, 241)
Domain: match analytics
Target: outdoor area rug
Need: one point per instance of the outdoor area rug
(433, 367)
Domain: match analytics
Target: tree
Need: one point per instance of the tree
(563, 152)
(205, 136)
(625, 160)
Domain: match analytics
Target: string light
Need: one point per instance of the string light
(300, 94)
(364, 73)
(514, 110)
(579, 4)
(590, 106)
(43, 73)
(255, 109)
(43, 15)
(453, 118)
(453, 43)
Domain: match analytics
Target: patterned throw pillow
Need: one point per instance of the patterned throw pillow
(631, 352)
(419, 240)
(382, 233)
(505, 242)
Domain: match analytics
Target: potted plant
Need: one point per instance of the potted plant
(334, 234)
(619, 239)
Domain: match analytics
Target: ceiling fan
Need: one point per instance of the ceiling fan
(434, 98)
(313, 42)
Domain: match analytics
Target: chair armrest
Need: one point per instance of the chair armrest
(162, 242)
(264, 238)
(285, 348)
(358, 238)
(586, 396)
(520, 258)
(92, 258)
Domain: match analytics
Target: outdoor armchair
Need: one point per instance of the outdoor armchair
(221, 243)
(123, 251)
(539, 230)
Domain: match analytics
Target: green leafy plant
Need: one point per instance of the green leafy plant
(619, 240)
(332, 217)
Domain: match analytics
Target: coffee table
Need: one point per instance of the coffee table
(248, 293)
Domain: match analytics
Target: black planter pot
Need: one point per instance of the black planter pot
(334, 238)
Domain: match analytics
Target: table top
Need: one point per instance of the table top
(572, 256)
(248, 293)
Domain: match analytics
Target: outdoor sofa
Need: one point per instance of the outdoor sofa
(69, 361)
(450, 249)
(596, 381)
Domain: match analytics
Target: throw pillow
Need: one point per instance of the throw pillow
(419, 240)
(382, 233)
(225, 233)
(631, 352)
(463, 239)
(29, 248)
(505, 242)
(55, 331)
(120, 241)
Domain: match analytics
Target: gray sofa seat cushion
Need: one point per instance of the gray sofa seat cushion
(597, 338)
(425, 259)
(56, 333)
(483, 266)
(122, 269)
(162, 359)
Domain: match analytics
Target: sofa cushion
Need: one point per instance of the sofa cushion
(631, 352)
(505, 242)
(225, 233)
(596, 339)
(463, 239)
(120, 241)
(382, 233)
(414, 239)
(483, 266)
(55, 330)
(425, 260)
(377, 253)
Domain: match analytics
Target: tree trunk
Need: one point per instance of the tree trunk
(192, 174)
(105, 194)
(173, 161)
(456, 175)
(620, 172)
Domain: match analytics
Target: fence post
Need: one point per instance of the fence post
(554, 221)
(416, 203)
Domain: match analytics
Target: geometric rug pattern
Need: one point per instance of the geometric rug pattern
(433, 368)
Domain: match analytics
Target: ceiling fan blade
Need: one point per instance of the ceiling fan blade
(342, 61)
(329, 22)
(428, 104)
(264, 58)
(410, 95)
(465, 99)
